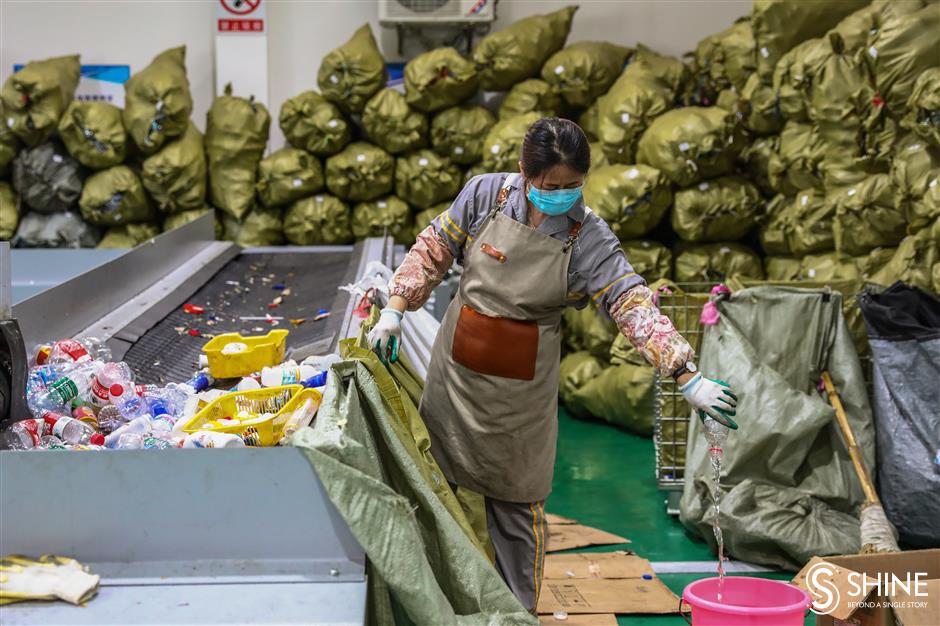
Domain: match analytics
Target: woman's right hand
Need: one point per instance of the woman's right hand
(385, 336)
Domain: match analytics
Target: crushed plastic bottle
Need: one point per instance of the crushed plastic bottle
(288, 373)
(137, 426)
(78, 350)
(208, 439)
(70, 430)
(74, 382)
(25, 434)
(107, 375)
(124, 397)
(110, 419)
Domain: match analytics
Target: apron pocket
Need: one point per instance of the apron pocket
(496, 346)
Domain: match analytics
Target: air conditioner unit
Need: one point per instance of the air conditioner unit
(436, 11)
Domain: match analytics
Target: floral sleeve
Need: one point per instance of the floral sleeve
(422, 270)
(650, 332)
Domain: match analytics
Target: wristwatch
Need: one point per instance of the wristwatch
(688, 368)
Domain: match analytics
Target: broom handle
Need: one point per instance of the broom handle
(871, 496)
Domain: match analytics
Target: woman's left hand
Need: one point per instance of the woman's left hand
(714, 398)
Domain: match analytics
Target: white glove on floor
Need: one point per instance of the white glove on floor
(713, 398)
(385, 336)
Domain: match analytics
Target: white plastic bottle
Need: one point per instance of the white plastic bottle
(107, 375)
(138, 426)
(286, 374)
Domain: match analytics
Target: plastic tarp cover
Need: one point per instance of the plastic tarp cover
(789, 490)
(371, 450)
(904, 333)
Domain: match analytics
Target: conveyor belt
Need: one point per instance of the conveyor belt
(244, 288)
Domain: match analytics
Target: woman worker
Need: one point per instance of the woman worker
(529, 248)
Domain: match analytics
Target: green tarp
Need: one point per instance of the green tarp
(715, 262)
(424, 178)
(317, 221)
(360, 172)
(259, 227)
(532, 95)
(115, 196)
(788, 490)
(287, 175)
(58, 230)
(311, 122)
(439, 79)
(236, 135)
(175, 177)
(865, 216)
(691, 144)
(46, 178)
(93, 133)
(721, 209)
(393, 125)
(9, 213)
(650, 259)
(157, 101)
(518, 51)
(175, 220)
(923, 116)
(354, 72)
(632, 199)
(915, 170)
(458, 133)
(502, 147)
(128, 235)
(386, 216)
(584, 70)
(35, 97)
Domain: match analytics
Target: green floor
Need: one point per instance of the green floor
(604, 478)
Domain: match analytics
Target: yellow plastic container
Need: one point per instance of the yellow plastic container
(262, 351)
(257, 416)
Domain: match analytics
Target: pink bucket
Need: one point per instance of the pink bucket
(746, 601)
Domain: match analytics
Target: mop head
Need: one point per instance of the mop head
(878, 534)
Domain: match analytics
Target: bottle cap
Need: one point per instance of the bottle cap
(116, 389)
(96, 439)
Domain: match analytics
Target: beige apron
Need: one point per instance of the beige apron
(491, 397)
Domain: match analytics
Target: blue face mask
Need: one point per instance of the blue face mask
(555, 201)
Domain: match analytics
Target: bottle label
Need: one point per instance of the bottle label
(35, 429)
(60, 425)
(99, 393)
(63, 389)
(75, 350)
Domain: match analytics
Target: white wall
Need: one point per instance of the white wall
(300, 32)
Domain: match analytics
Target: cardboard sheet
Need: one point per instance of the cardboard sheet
(620, 564)
(607, 619)
(551, 518)
(569, 536)
(598, 595)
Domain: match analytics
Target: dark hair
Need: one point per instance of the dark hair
(554, 141)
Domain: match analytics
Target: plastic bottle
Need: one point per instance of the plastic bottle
(124, 397)
(83, 412)
(317, 380)
(138, 426)
(286, 374)
(79, 350)
(50, 442)
(321, 361)
(208, 439)
(301, 416)
(110, 419)
(109, 374)
(74, 382)
(130, 441)
(72, 431)
(25, 434)
(248, 383)
(169, 400)
(200, 382)
(41, 376)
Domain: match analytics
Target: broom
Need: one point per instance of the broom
(877, 533)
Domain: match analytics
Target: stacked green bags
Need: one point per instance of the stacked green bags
(712, 263)
(9, 213)
(393, 125)
(258, 227)
(650, 259)
(354, 72)
(721, 209)
(360, 172)
(915, 171)
(923, 117)
(175, 220)
(317, 221)
(128, 235)
(288, 175)
(799, 225)
(424, 218)
(94, 134)
(311, 122)
(35, 97)
(503, 144)
(47, 179)
(866, 216)
(531, 95)
(632, 199)
(386, 216)
(9, 144)
(458, 133)
(115, 196)
(439, 79)
(584, 70)
(175, 177)
(424, 178)
(157, 101)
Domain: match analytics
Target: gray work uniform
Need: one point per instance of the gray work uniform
(491, 396)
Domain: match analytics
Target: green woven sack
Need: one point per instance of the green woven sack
(35, 97)
(502, 147)
(128, 235)
(758, 105)
(393, 125)
(587, 329)
(360, 172)
(458, 133)
(93, 133)
(872, 262)
(175, 220)
(354, 72)
(46, 178)
(721, 209)
(782, 268)
(532, 95)
(424, 178)
(799, 225)
(9, 213)
(914, 261)
(58, 230)
(287, 175)
(575, 371)
(671, 71)
(899, 49)
(624, 395)
(756, 162)
(726, 59)
(715, 262)
(589, 121)
(386, 216)
(311, 122)
(598, 158)
(9, 144)
(584, 70)
(236, 135)
(320, 220)
(691, 144)
(115, 196)
(518, 51)
(915, 171)
(796, 163)
(865, 216)
(625, 112)
(632, 199)
(438, 79)
(157, 101)
(175, 177)
(424, 218)
(260, 227)
(779, 25)
(923, 118)
(793, 77)
(650, 259)
(850, 152)
(841, 93)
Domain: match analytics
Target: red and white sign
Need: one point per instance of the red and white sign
(240, 16)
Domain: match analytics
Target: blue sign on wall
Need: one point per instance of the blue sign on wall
(100, 83)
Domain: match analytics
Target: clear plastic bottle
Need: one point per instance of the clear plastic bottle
(287, 374)
(199, 382)
(130, 441)
(83, 412)
(169, 400)
(79, 350)
(74, 382)
(124, 397)
(41, 376)
(50, 442)
(138, 426)
(109, 374)
(72, 431)
(110, 419)
(25, 434)
(208, 439)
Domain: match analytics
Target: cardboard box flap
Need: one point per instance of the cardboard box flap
(599, 595)
(591, 619)
(828, 582)
(551, 518)
(620, 564)
(569, 536)
(912, 609)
